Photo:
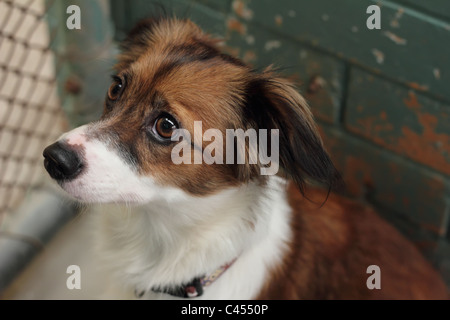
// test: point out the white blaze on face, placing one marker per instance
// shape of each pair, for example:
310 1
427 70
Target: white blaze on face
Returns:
106 177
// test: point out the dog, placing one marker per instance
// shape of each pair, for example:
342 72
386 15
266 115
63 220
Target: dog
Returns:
223 230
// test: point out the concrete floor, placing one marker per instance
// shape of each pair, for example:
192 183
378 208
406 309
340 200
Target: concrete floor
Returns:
46 277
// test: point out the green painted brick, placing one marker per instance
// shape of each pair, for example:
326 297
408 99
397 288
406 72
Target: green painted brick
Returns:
209 19
399 119
302 65
439 8
389 180
410 46
222 6
120 16
127 13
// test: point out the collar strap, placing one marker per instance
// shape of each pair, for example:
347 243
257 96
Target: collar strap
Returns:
194 288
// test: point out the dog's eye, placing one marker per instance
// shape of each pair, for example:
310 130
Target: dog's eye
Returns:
164 126
115 89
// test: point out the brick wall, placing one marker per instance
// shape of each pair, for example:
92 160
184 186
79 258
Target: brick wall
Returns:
381 97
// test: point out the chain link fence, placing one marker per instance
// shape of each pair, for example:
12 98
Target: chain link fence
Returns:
52 78
30 108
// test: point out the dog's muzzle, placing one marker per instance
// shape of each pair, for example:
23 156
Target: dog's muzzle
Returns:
62 161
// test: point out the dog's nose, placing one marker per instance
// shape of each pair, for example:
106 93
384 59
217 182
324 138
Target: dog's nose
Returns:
62 162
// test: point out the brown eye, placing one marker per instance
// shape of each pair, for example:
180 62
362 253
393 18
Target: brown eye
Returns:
164 126
115 89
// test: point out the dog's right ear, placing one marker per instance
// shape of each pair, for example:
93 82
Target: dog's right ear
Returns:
275 104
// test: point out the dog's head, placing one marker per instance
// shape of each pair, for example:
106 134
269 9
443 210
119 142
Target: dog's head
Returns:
169 78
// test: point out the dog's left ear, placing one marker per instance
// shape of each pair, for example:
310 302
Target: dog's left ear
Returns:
274 103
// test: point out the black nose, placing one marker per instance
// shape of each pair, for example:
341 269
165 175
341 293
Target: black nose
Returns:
62 162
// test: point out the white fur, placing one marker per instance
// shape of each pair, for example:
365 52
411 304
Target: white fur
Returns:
169 243
107 177
168 237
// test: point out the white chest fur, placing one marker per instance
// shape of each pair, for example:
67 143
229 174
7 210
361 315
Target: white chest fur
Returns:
171 242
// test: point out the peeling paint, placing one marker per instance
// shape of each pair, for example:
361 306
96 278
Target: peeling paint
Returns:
394 24
395 38
379 56
250 39
235 25
398 15
437 73
424 147
249 56
272 44
411 101
315 84
278 20
242 10
376 126
417 86
232 50
423 143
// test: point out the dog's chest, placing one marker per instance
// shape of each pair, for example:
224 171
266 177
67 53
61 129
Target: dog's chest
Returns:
145 251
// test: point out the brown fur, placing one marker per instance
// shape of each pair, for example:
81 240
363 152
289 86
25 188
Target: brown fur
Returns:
332 247
173 61
172 66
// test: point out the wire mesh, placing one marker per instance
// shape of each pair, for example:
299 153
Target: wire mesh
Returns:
30 109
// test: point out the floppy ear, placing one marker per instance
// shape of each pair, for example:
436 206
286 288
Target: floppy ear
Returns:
275 104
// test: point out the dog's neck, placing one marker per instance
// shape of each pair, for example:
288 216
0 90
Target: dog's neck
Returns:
169 243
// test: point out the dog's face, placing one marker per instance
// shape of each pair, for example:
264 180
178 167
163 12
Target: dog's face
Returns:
168 76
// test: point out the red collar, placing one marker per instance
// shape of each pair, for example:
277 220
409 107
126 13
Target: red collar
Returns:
194 288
